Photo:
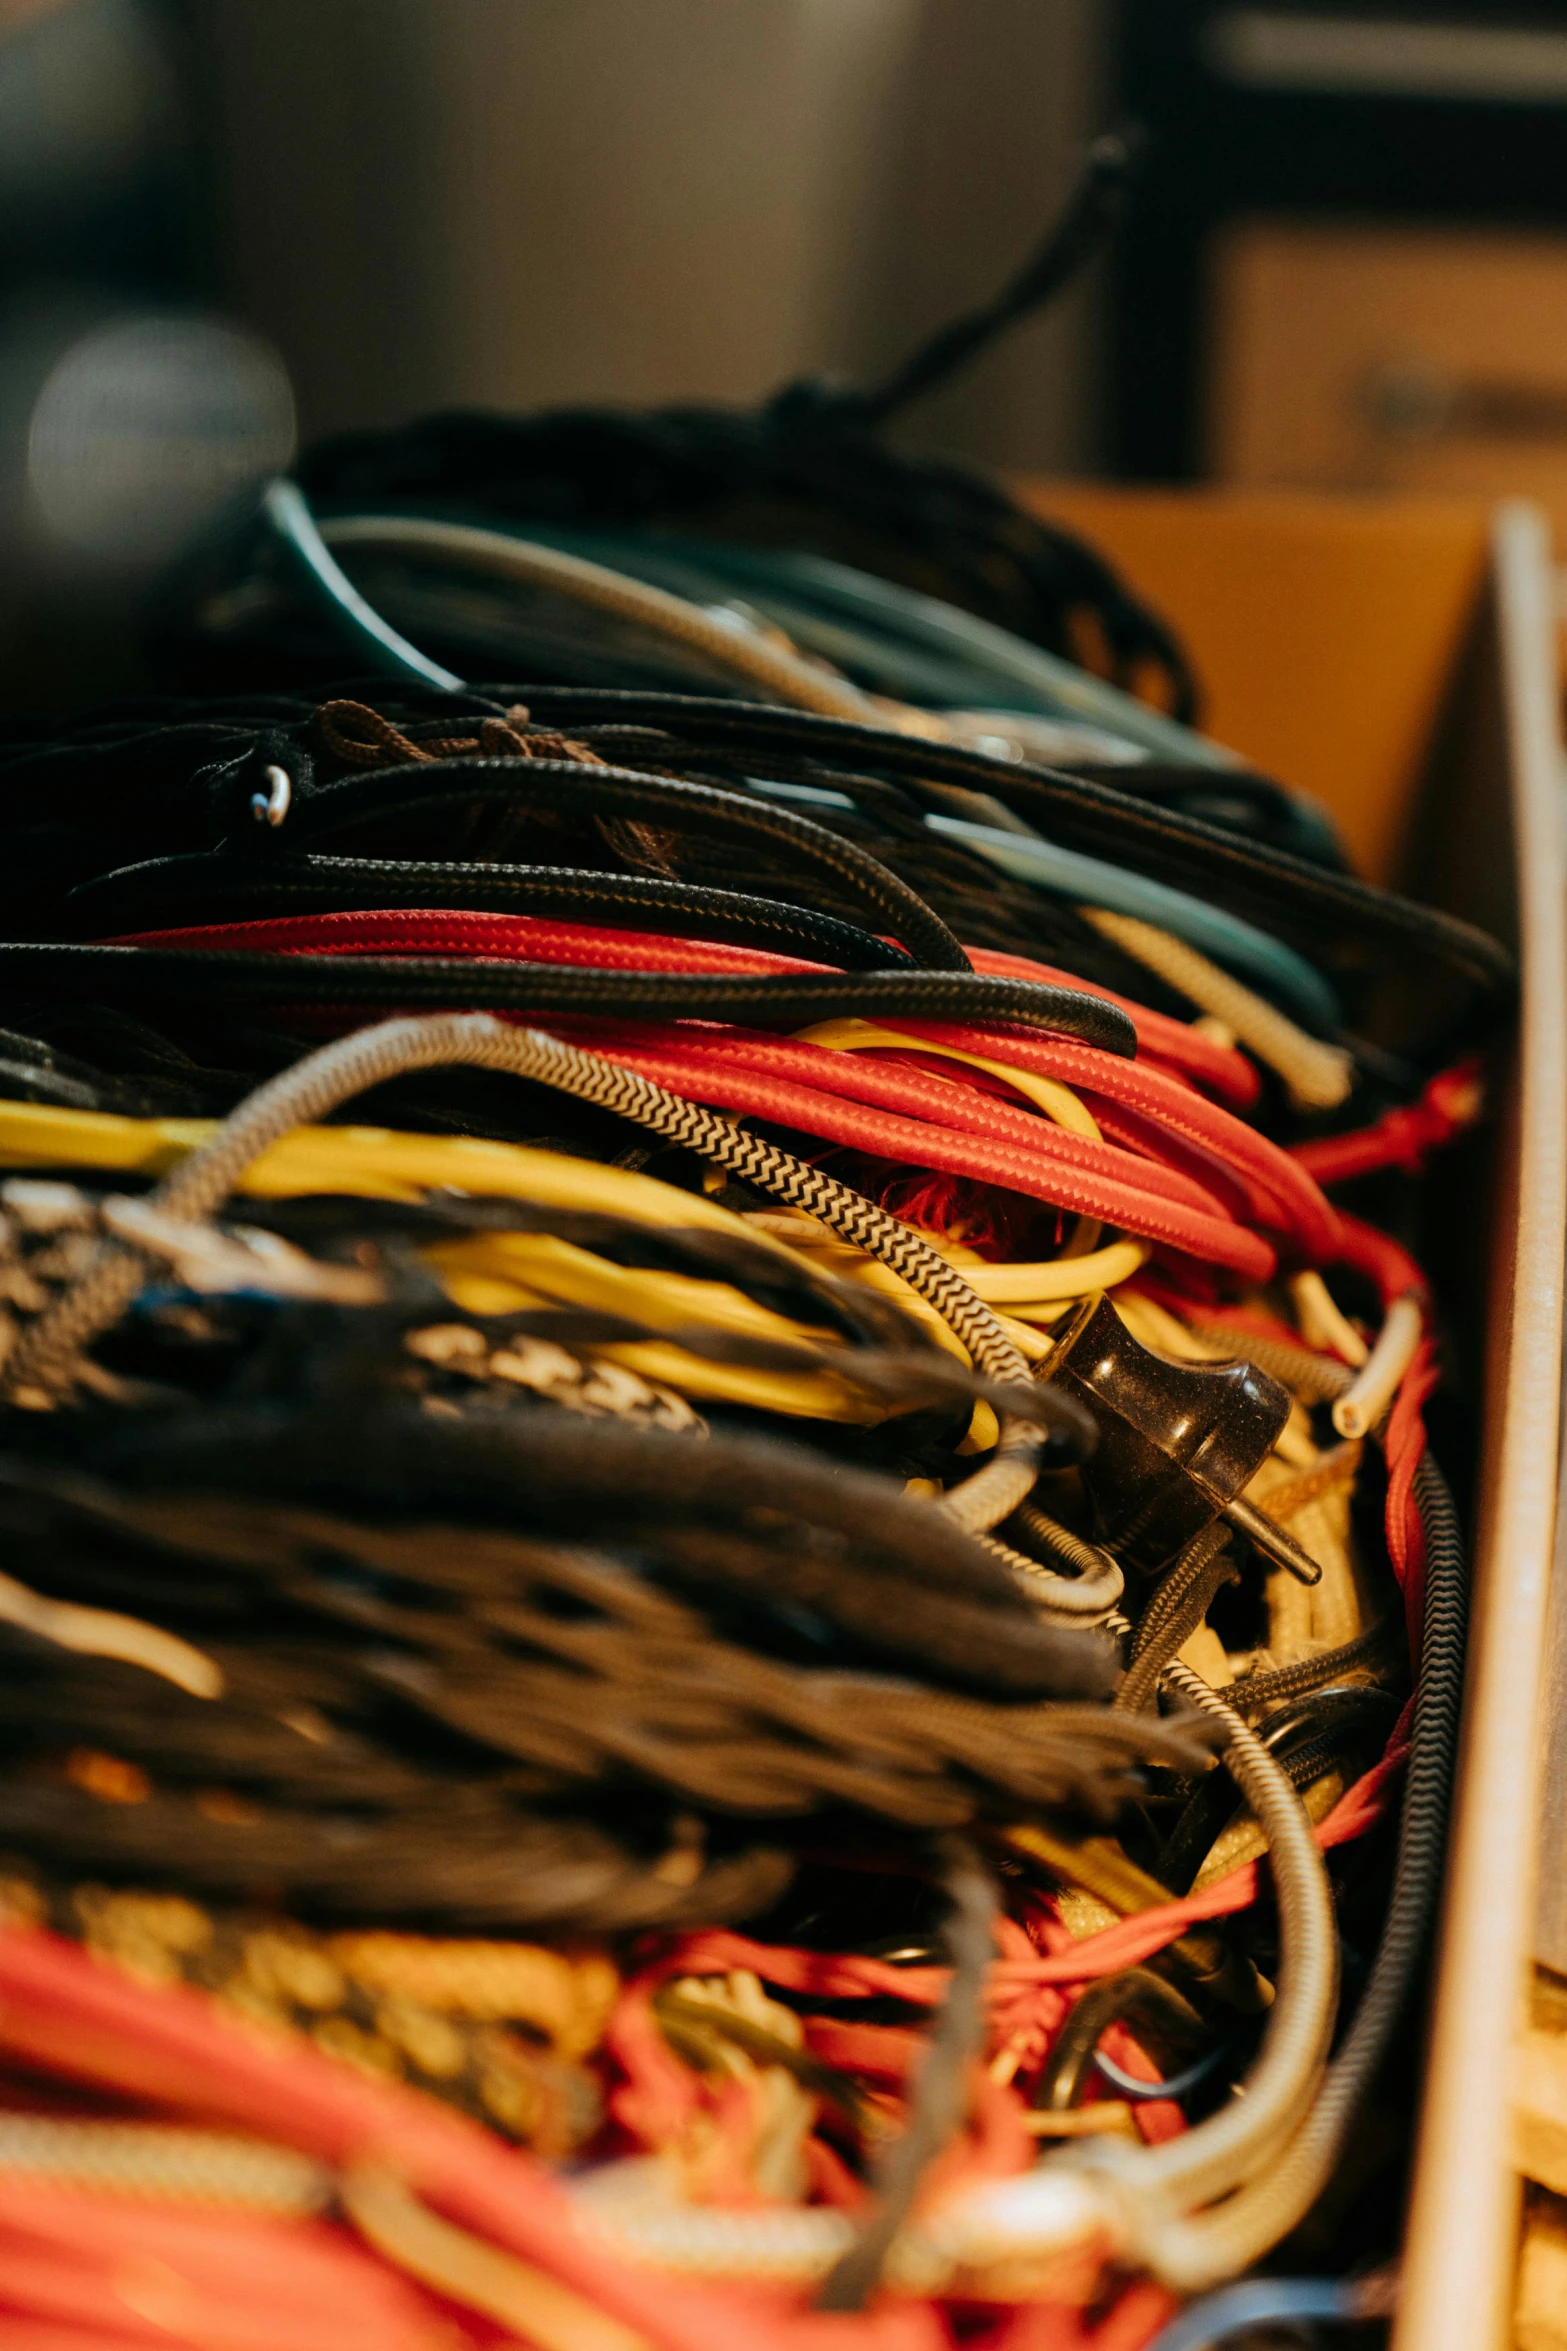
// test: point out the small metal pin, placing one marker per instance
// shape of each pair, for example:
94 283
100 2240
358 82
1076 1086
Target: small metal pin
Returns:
272 805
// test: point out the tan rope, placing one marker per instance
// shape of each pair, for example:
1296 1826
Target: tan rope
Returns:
1318 1076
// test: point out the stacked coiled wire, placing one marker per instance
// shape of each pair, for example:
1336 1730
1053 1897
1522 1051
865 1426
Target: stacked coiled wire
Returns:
543 1263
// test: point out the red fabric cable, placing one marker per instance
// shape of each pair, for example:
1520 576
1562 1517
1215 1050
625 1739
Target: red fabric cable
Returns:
527 938
1032 1170
1224 1069
1013 1979
1406 1445
1380 1258
1404 1137
1301 1209
508 938
1149 1143
225 2281
66 2012
757 1075
941 1091
42 2334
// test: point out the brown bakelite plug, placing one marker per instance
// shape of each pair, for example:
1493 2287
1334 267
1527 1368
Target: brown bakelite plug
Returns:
1177 1443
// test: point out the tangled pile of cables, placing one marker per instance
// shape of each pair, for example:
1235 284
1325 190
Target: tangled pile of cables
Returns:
725 1613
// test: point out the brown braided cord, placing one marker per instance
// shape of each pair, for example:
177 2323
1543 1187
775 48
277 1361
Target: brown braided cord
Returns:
354 735
1177 1609
1317 1378
466 1629
1337 1467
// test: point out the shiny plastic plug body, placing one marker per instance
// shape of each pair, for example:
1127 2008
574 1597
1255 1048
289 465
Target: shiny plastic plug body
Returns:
1178 1443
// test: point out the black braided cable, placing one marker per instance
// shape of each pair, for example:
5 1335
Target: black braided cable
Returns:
449 983
940 2088
572 788
217 886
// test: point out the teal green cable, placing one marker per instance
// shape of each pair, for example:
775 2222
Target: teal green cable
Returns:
1000 668
1238 945
1088 881
290 517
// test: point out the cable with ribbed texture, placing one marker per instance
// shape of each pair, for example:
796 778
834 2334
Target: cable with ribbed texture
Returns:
172 890
44 1355
121 975
571 788
1193 2253
1318 1076
1241 2139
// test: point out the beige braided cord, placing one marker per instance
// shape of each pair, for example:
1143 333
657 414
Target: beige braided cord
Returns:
1318 1076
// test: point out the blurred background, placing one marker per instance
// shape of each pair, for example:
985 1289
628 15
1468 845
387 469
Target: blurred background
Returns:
225 224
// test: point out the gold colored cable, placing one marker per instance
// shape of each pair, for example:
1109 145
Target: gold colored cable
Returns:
536 2307
1333 1470
1318 1076
567 1998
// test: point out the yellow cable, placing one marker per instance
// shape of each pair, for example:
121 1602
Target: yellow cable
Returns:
1322 1325
1051 1281
1058 1102
1048 1095
498 1273
369 1162
515 1273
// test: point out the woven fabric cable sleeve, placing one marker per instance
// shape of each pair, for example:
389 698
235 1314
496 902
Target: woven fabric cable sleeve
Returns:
43 1358
1190 2254
1147 2188
940 2088
1083 2193
1318 1076
499 555
567 786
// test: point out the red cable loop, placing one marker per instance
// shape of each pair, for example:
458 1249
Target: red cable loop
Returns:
887 1135
1222 1068
1301 1209
1380 1258
1403 1137
944 1092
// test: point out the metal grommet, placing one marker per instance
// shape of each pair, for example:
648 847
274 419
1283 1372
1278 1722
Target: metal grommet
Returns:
272 805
